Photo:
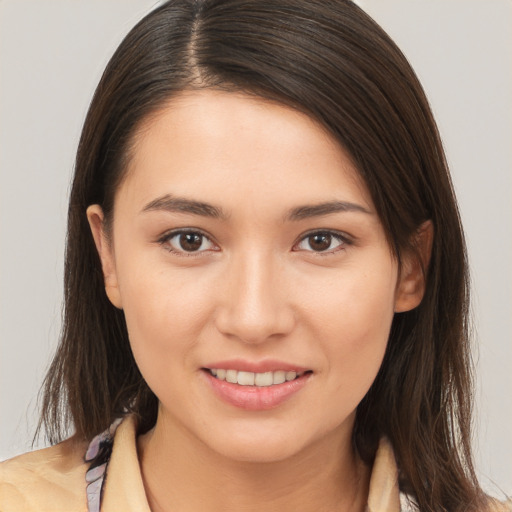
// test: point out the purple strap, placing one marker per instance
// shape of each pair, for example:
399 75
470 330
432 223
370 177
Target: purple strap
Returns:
98 454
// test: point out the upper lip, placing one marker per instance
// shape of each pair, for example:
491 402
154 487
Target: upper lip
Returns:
268 365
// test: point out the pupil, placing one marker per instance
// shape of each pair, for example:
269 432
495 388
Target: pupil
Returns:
190 241
320 242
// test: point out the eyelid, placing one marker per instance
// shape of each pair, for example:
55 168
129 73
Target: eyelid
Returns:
344 238
163 240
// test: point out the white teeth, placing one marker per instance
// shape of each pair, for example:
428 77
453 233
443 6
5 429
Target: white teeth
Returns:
231 376
254 379
291 375
264 379
279 377
245 378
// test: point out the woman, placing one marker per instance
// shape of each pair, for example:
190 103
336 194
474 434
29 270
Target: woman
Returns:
265 278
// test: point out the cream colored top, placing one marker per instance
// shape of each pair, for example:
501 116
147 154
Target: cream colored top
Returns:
53 479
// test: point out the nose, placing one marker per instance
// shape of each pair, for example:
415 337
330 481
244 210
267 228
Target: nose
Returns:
254 305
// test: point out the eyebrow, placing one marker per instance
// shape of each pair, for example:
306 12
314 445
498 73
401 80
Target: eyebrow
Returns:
172 203
327 208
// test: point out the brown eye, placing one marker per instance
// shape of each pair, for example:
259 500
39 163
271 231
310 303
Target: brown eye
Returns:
188 242
322 241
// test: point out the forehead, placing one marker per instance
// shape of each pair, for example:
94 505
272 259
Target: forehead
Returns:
229 146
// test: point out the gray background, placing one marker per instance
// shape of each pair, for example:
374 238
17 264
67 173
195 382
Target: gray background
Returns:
52 54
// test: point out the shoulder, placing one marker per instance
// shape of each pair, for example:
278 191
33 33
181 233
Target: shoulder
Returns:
51 479
408 504
500 506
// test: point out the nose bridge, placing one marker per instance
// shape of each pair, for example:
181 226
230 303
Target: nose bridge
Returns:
255 306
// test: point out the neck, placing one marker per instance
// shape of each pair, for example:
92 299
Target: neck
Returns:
180 473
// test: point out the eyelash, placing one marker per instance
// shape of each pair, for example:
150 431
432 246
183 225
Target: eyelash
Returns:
165 241
342 238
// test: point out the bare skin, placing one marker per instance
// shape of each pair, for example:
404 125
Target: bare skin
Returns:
243 237
341 483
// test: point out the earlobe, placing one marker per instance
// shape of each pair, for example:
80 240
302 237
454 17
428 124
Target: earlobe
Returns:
106 253
413 272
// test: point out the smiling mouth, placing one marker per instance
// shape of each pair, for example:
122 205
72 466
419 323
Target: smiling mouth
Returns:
265 379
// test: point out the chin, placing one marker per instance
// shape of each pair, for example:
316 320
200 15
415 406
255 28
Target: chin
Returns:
257 451
261 443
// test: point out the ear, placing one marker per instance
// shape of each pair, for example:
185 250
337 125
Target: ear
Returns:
412 279
106 253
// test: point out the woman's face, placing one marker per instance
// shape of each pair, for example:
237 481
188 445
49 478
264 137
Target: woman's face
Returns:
245 244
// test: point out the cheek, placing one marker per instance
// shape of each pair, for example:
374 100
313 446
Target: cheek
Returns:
165 311
358 299
352 317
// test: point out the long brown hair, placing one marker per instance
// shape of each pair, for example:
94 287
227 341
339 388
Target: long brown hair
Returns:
330 60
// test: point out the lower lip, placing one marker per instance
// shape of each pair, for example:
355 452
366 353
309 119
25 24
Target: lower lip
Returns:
254 398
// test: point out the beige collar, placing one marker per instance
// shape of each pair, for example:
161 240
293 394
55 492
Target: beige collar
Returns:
124 489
